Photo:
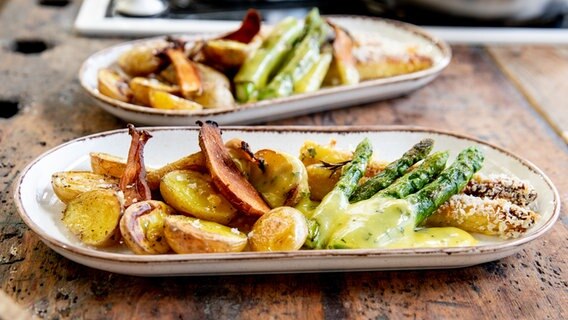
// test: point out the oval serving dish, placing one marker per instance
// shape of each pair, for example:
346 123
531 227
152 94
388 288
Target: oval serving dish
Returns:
41 210
324 99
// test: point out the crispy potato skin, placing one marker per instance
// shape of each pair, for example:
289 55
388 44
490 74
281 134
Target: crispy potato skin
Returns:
141 60
142 227
193 193
189 235
94 216
68 185
281 229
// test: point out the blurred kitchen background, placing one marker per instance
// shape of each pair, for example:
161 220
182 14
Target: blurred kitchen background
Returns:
457 21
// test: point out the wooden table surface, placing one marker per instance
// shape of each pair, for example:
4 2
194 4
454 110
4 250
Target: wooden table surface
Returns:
512 96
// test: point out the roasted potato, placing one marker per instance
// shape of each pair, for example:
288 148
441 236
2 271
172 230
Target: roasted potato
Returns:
94 216
194 161
321 180
226 53
163 100
68 185
107 164
112 85
141 60
280 178
193 193
141 89
216 89
281 229
190 235
142 227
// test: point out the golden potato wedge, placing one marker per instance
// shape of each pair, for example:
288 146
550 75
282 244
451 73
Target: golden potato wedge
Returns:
67 185
226 53
112 85
141 60
94 216
142 227
281 229
194 162
314 153
193 193
190 235
141 89
107 164
166 101
281 179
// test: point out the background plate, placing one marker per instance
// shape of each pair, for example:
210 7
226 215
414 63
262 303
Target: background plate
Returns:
323 99
41 210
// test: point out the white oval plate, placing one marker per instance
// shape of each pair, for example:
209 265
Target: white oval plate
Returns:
41 210
323 99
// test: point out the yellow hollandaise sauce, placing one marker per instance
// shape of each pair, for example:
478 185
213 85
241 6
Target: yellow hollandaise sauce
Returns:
378 223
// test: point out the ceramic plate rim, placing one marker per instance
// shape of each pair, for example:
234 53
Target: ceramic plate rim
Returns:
443 47
92 253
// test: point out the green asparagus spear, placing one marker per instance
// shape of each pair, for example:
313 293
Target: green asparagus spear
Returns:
451 181
393 170
313 79
304 56
417 178
254 73
333 204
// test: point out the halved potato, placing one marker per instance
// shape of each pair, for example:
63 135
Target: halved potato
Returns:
142 227
93 216
167 101
107 164
67 185
190 235
193 193
281 229
321 180
112 85
194 162
281 179
226 53
141 89
141 60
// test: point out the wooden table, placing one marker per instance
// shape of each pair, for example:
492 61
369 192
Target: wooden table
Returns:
514 96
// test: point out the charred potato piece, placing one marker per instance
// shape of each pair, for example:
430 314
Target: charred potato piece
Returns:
141 88
142 227
281 178
281 229
190 235
94 216
141 60
112 85
193 193
167 101
68 185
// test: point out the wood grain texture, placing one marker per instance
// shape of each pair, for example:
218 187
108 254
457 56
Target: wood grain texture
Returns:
540 74
473 96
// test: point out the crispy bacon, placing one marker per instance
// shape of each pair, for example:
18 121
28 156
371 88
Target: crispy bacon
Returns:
133 182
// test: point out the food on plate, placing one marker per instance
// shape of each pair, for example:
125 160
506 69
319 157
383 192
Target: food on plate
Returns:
142 227
191 235
281 229
228 198
93 217
68 185
252 63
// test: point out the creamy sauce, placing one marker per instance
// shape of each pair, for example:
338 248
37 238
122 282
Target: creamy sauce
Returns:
378 223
